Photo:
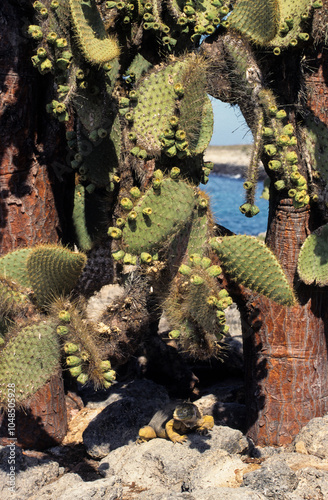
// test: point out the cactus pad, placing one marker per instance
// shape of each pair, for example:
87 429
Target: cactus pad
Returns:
91 34
171 207
53 271
249 262
13 266
28 360
176 91
275 23
313 258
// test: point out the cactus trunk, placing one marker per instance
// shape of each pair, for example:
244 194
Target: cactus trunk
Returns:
286 348
44 422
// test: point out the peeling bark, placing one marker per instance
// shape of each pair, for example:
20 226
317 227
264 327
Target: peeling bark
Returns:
286 352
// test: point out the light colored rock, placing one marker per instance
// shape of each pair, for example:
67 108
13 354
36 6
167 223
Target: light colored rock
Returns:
206 494
313 438
313 484
78 424
72 486
30 474
274 479
200 462
98 303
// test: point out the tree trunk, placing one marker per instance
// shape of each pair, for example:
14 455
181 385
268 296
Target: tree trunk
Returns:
286 355
29 142
44 422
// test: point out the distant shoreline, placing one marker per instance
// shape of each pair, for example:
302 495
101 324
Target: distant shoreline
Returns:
231 160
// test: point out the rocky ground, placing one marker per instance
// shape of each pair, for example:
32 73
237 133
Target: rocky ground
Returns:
100 458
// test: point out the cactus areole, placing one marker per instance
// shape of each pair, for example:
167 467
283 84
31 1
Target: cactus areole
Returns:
106 166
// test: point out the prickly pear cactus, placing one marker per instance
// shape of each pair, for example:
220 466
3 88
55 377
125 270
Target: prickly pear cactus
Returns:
130 86
195 308
313 258
250 262
49 270
28 359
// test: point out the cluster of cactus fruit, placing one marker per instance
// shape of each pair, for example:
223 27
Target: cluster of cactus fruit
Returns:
130 76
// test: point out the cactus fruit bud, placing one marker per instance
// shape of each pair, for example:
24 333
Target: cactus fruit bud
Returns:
270 149
135 192
147 211
175 172
274 164
248 185
174 121
83 378
224 303
120 222
288 129
130 259
179 89
62 330
75 371
195 259
114 232
291 157
267 132
281 114
184 270
157 183
221 317
126 204
109 376
70 348
146 258
132 215
196 280
118 255
203 203
73 361
174 334
283 140
35 32
279 185
64 316
223 293
214 271
105 365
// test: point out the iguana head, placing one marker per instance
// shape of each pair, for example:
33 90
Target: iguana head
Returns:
188 413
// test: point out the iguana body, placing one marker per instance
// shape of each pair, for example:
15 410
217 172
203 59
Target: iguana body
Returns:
186 417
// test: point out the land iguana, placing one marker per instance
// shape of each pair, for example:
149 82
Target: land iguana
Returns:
186 418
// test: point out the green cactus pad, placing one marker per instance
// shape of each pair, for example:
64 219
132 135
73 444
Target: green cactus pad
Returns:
28 360
91 34
312 264
275 23
251 263
53 271
159 106
257 19
13 266
171 206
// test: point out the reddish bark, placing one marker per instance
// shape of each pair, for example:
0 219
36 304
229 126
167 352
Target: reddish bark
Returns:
286 351
28 209
44 422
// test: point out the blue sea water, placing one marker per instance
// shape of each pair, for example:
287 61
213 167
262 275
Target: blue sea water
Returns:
226 195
